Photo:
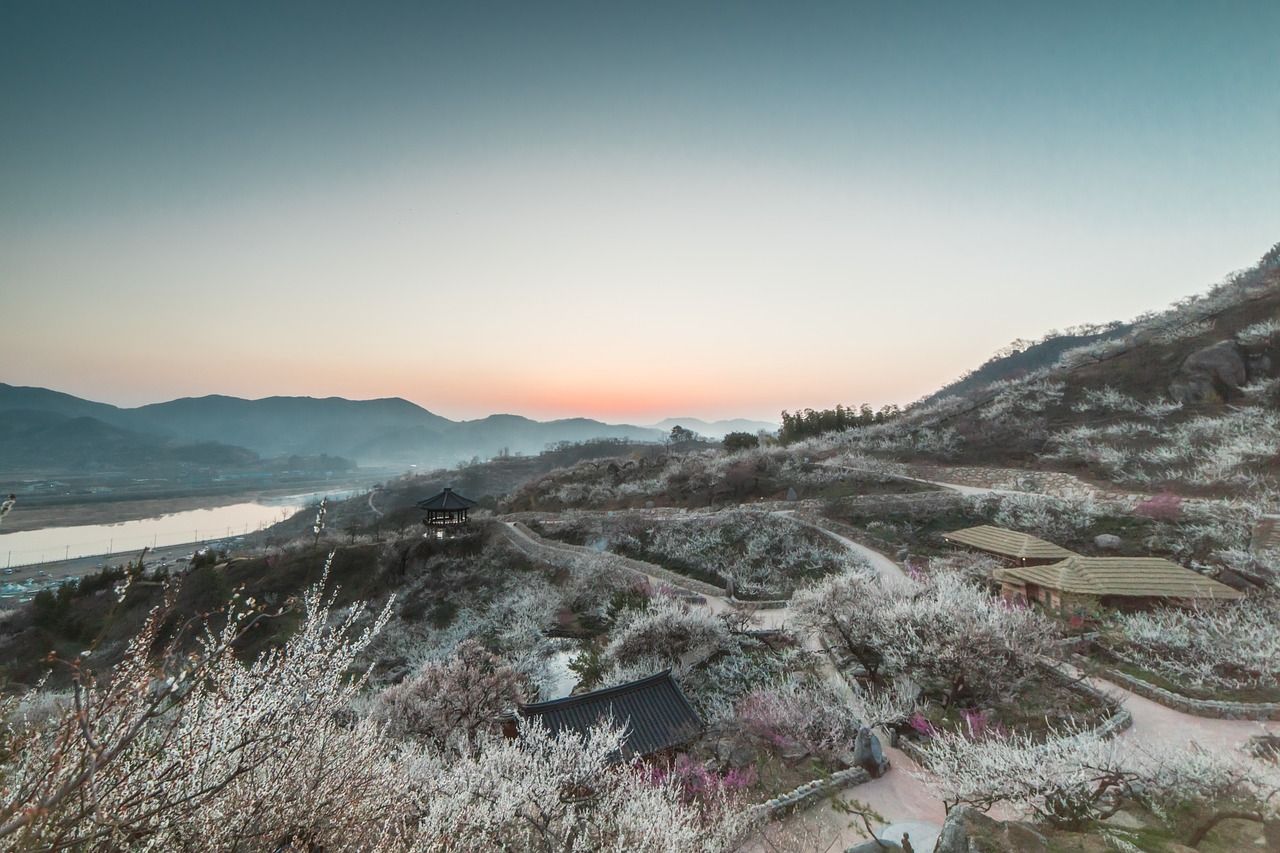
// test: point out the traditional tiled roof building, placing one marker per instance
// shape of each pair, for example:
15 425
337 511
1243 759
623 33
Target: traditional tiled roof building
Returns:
1021 548
1119 582
654 710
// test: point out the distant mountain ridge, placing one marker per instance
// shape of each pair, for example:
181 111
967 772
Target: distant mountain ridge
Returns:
716 429
386 431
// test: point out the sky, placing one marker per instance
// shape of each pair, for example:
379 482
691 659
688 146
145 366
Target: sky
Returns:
616 210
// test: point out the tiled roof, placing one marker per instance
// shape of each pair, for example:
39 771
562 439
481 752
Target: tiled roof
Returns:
448 499
654 710
1008 543
1129 576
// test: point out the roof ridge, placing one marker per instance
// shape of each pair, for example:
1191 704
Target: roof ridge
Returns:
615 690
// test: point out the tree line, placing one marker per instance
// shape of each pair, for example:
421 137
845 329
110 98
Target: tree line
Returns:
810 422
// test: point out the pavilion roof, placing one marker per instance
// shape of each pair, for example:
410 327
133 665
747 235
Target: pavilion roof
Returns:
1008 543
1148 577
654 710
448 499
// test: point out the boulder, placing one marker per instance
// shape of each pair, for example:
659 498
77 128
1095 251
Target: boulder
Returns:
968 830
1107 541
791 495
793 752
875 846
868 755
1209 375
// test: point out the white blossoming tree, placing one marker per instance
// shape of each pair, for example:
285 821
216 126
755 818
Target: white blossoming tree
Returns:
193 749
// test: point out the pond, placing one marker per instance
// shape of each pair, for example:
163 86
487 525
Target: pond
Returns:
560 679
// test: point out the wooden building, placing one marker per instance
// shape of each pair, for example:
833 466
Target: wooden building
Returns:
1021 549
1123 583
446 512
657 716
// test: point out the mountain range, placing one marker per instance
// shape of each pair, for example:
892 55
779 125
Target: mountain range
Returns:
716 429
49 430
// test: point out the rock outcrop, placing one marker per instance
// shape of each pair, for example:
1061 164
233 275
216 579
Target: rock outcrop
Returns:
968 830
1210 375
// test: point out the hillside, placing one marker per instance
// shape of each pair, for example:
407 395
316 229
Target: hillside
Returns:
47 442
1186 398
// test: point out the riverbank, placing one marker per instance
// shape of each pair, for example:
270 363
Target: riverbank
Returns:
36 514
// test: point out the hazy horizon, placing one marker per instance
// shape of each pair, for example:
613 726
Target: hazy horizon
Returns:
626 212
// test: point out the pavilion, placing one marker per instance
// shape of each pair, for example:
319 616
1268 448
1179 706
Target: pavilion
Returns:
446 511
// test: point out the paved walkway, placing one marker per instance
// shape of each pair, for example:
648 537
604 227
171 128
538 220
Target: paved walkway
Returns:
953 487
900 796
890 572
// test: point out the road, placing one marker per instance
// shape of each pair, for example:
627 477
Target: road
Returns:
22 582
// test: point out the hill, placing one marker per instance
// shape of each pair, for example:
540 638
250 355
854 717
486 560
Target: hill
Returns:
283 425
48 441
1187 398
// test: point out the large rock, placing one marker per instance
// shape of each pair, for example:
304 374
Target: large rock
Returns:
868 755
874 846
1107 541
968 830
1210 375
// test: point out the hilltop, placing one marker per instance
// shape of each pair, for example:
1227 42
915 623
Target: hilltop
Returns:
1188 397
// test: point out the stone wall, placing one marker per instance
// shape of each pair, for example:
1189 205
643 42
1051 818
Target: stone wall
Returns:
1220 709
1119 719
810 792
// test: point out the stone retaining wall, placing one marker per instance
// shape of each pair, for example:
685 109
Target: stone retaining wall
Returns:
809 792
1119 720
1219 709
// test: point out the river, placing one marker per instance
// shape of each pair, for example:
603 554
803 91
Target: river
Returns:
27 547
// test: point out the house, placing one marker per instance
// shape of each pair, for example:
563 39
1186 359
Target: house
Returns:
657 716
1124 583
1019 548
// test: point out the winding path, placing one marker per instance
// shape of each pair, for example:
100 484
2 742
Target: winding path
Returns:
900 796
890 572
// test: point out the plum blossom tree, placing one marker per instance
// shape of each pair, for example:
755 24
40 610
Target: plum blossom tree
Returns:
851 609
1076 777
1064 779
959 643
1234 646
195 750
667 630
564 794
800 713
449 703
